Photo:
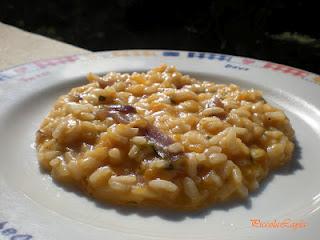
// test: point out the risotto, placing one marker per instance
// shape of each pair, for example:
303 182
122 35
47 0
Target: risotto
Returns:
164 139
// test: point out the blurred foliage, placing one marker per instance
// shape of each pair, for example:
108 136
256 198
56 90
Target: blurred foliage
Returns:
281 31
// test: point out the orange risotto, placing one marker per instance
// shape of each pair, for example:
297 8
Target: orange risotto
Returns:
164 139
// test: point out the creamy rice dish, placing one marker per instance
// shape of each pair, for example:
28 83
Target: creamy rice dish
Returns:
164 139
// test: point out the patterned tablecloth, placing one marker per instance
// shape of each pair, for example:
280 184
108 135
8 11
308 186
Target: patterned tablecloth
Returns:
18 46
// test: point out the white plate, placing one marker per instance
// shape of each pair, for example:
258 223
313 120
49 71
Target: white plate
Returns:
33 207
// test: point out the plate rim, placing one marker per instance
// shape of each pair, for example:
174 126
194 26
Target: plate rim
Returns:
6 73
133 51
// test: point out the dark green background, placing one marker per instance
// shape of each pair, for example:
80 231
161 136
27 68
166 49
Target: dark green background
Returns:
286 32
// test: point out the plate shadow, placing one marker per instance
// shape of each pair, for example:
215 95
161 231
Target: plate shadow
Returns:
172 215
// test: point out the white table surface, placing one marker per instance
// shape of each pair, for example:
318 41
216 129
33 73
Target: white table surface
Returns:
18 46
